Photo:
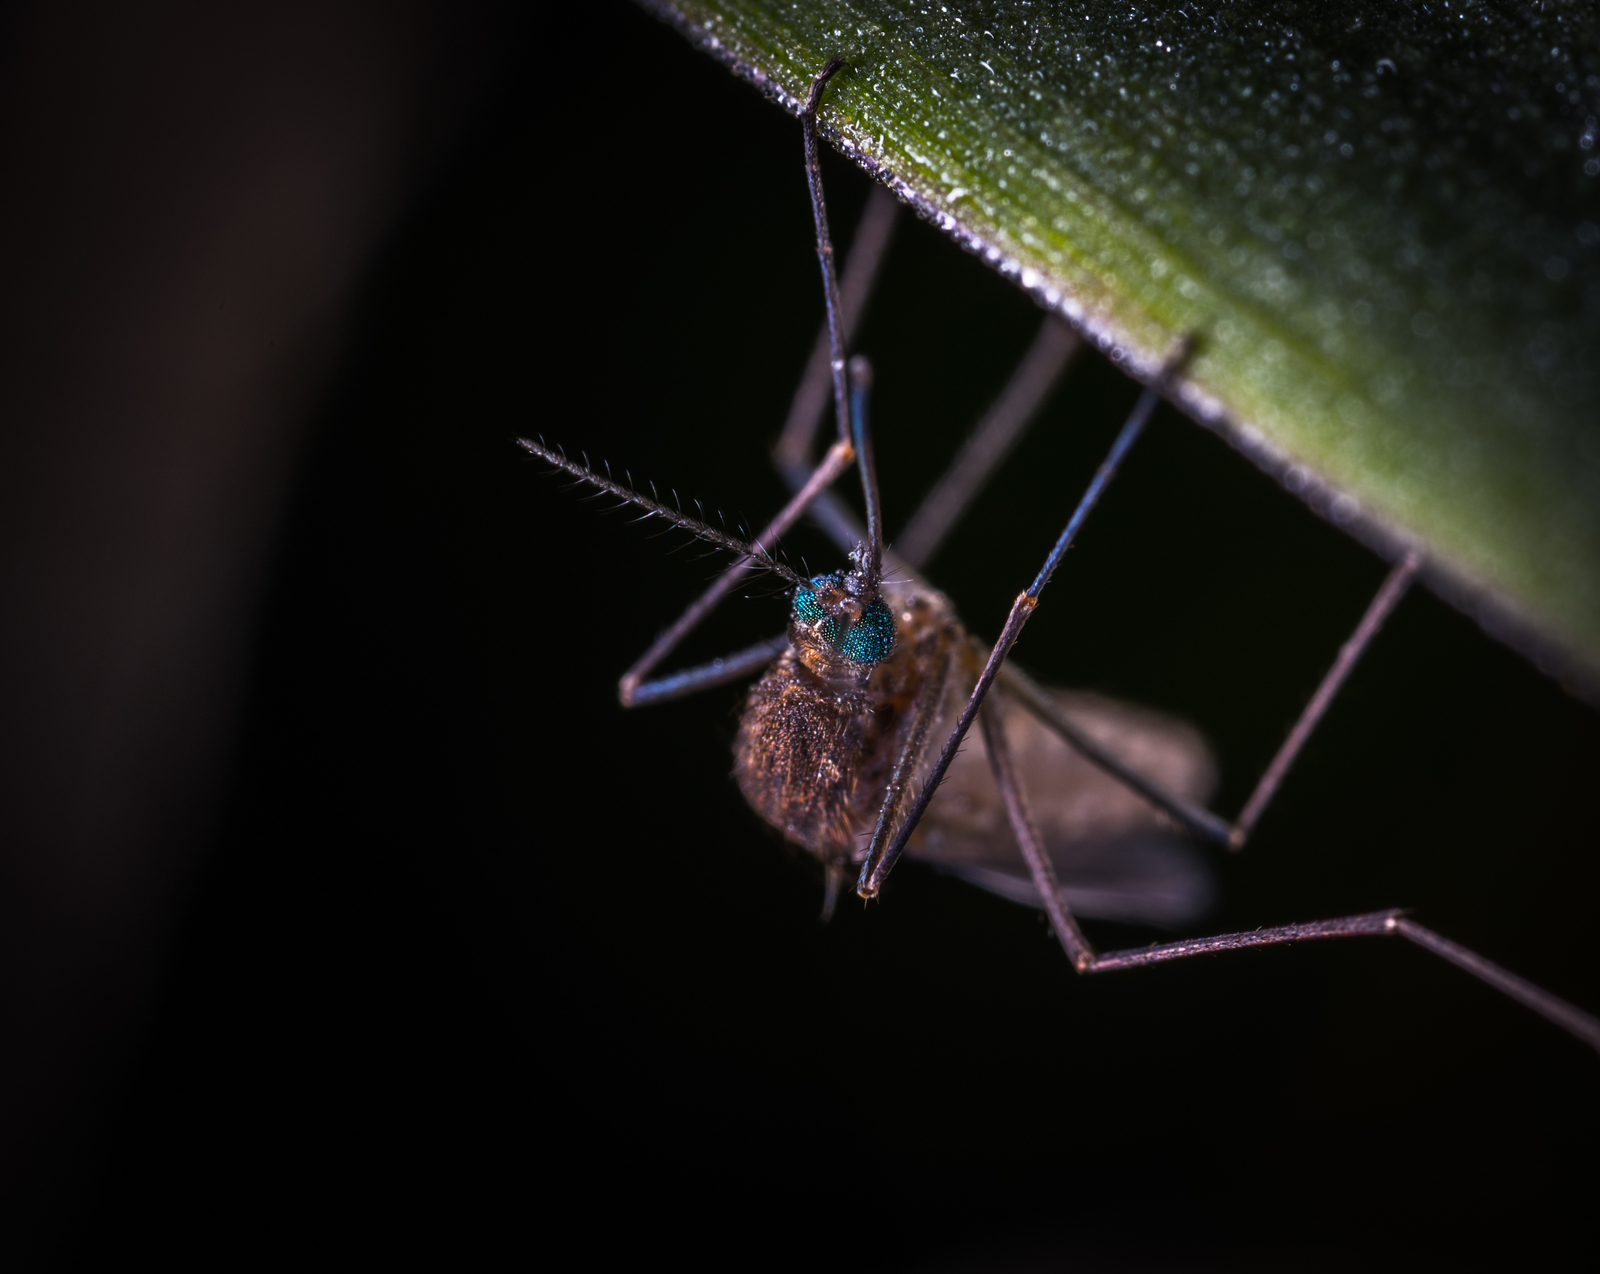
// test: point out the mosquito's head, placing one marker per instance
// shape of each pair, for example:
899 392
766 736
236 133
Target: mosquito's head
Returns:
838 619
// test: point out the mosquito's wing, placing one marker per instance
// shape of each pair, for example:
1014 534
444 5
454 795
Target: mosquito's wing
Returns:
1116 857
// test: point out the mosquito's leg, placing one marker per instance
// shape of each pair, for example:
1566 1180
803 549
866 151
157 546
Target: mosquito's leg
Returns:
942 654
880 863
819 215
828 511
1377 923
792 455
832 883
1028 839
860 392
991 442
679 685
1198 820
750 555
794 447
633 690
939 658
1567 1016
1394 588
845 299
905 768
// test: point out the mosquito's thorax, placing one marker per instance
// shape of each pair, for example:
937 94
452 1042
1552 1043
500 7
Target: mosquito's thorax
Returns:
823 728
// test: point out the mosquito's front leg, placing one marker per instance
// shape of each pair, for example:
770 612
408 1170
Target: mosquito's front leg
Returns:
749 556
679 685
634 691
881 861
868 246
844 302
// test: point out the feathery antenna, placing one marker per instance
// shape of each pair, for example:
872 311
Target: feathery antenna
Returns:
677 517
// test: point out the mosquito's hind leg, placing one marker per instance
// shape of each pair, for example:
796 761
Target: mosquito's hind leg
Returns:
1569 1017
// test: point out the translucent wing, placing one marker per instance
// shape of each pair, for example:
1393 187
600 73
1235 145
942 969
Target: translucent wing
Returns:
1116 857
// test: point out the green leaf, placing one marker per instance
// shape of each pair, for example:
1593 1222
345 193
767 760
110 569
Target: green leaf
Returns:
1380 221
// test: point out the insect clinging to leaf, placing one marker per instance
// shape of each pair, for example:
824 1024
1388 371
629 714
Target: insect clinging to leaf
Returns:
850 743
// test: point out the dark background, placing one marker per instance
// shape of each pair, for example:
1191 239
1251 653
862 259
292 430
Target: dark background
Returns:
473 956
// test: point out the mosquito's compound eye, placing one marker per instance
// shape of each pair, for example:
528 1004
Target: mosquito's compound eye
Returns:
808 609
871 638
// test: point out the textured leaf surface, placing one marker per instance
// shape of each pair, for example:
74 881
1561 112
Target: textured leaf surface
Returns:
1381 222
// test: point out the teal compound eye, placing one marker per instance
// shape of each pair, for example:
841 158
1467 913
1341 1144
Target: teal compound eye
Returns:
871 638
807 607
809 610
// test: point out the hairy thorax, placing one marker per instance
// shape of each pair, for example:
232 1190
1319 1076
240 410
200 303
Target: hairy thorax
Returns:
821 734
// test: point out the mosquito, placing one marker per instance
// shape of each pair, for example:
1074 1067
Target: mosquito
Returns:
850 742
